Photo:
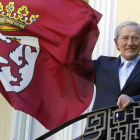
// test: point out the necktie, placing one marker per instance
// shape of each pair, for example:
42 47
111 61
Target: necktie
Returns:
124 73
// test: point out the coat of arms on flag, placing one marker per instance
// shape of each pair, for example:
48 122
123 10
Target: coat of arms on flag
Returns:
17 62
46 69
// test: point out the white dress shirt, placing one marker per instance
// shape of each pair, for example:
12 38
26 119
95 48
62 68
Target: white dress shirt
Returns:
130 68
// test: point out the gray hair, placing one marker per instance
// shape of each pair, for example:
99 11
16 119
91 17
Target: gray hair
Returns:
125 24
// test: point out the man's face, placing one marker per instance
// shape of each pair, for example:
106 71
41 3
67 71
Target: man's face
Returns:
129 42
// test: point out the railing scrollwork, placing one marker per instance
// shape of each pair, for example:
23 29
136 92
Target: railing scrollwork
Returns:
112 123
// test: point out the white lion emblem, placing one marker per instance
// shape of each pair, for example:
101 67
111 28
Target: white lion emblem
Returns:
17 62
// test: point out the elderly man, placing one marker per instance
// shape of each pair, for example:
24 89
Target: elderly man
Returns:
117 80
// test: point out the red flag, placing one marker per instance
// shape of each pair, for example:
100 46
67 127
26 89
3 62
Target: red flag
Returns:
45 58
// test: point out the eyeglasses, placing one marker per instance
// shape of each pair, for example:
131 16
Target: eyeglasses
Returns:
133 39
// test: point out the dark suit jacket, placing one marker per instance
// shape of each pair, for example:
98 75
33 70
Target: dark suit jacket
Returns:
107 82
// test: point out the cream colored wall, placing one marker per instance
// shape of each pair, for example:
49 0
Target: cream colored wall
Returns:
128 10
5 118
86 1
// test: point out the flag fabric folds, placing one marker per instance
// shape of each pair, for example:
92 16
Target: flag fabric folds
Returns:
46 69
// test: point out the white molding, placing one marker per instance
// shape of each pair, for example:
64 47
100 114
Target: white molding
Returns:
20 128
12 125
105 44
28 127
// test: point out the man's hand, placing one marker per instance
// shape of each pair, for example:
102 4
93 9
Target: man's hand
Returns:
124 101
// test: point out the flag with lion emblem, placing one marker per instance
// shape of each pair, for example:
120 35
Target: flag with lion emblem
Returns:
45 59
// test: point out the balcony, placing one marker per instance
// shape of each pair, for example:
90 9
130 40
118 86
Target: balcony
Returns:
112 123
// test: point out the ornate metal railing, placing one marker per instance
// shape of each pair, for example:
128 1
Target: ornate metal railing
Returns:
112 123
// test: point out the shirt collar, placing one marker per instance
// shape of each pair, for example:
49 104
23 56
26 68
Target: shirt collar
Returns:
134 61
